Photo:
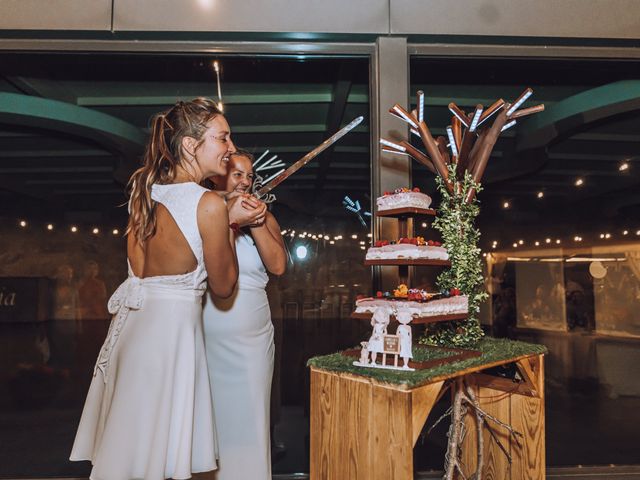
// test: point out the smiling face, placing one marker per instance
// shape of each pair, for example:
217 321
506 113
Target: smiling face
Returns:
239 177
214 148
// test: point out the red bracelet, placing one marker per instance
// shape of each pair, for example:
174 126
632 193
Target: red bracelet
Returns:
235 227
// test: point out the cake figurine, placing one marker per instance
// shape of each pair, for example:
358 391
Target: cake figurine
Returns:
379 322
403 198
403 331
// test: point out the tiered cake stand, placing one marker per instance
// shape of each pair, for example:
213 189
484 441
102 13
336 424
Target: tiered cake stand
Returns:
403 215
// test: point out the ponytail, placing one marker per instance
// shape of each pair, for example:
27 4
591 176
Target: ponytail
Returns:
162 158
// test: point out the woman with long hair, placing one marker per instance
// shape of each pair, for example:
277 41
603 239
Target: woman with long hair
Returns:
239 339
148 413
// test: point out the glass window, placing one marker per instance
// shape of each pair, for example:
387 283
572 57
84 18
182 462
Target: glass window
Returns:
560 230
72 127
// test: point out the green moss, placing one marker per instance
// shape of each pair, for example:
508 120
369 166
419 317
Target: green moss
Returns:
493 350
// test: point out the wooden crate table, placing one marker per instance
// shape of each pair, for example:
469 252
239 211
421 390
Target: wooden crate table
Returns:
365 422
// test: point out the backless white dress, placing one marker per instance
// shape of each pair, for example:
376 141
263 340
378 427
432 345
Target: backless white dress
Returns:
240 349
148 413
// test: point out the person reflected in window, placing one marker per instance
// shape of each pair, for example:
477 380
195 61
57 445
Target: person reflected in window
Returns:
239 338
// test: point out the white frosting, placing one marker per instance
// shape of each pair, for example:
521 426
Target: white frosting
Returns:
407 250
403 200
443 306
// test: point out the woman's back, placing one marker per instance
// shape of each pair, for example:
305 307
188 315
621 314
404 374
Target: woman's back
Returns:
175 249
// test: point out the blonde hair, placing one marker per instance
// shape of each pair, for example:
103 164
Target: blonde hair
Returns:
162 157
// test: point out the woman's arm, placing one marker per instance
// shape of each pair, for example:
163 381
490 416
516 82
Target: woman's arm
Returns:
270 245
218 245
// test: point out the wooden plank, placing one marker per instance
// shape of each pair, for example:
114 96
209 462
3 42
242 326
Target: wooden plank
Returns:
497 404
525 368
422 401
527 417
504 384
392 448
353 452
323 412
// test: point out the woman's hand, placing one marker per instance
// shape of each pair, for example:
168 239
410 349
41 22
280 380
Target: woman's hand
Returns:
245 209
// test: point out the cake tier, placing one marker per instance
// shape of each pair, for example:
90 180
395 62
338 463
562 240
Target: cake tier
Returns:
444 306
407 251
403 200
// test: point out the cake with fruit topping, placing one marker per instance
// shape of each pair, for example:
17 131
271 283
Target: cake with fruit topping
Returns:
407 248
419 302
403 198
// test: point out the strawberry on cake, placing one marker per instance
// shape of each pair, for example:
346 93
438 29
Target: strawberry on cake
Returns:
403 198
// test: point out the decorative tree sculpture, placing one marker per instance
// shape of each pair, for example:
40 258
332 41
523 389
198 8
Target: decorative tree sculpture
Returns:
459 170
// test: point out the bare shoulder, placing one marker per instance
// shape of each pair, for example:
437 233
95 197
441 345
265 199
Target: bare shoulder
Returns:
211 203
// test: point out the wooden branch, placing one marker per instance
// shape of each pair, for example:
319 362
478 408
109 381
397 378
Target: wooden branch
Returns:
444 151
432 150
465 153
497 105
526 111
460 115
484 151
419 156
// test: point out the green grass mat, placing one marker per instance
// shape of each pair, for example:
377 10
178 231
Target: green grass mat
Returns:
493 350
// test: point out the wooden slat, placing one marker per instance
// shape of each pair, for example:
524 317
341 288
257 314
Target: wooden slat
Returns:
392 448
527 417
354 422
422 401
504 384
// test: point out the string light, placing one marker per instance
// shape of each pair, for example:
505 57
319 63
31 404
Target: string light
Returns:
540 194
623 166
558 241
49 226
547 240
506 205
626 232
579 182
424 224
74 229
326 237
95 231
332 242
23 224
354 236
515 245
537 244
115 231
521 242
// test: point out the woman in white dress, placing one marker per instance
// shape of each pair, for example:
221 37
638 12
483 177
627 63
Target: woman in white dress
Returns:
239 341
148 413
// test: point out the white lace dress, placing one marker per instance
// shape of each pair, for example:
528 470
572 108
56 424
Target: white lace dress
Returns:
240 349
148 413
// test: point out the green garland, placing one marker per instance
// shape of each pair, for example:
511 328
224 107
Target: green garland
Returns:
455 222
